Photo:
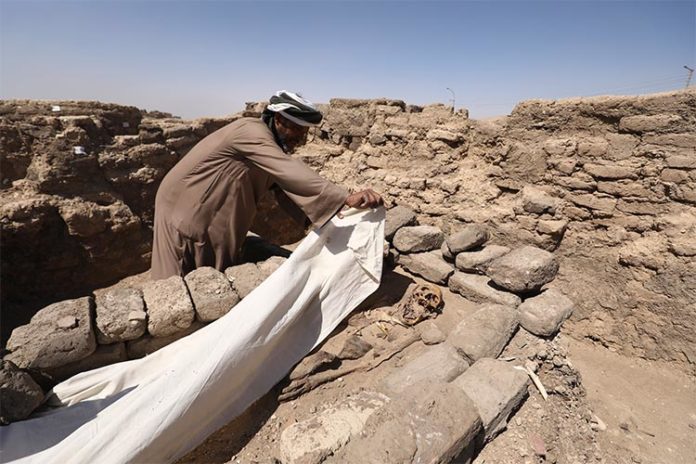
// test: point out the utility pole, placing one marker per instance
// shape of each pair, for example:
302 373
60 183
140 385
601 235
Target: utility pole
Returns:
688 79
452 98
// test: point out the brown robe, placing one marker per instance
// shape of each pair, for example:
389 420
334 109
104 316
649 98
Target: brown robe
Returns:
207 201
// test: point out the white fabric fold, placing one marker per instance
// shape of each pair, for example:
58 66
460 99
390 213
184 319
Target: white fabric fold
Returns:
158 408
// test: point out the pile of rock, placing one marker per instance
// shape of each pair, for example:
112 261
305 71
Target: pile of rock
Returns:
454 396
77 335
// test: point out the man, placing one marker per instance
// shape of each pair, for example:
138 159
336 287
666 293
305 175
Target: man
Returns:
206 203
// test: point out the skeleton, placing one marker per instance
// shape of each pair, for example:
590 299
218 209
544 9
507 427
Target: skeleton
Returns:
423 302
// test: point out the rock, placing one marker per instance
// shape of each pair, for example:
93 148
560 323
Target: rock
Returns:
602 171
446 252
439 363
412 239
311 440
470 237
211 293
430 333
552 228
169 306
648 123
429 423
603 204
681 161
244 278
523 270
396 218
120 315
19 393
428 265
537 201
485 333
444 135
477 261
102 356
269 266
497 389
543 315
147 345
479 289
43 344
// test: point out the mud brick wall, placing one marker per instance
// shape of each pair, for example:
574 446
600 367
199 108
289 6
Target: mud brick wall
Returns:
609 183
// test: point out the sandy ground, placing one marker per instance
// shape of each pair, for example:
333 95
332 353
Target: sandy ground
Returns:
649 408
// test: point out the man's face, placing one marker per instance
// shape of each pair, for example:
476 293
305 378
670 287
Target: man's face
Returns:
291 134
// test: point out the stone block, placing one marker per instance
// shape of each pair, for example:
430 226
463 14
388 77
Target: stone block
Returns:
553 228
211 293
476 261
429 423
446 252
120 315
524 270
440 363
428 265
674 175
543 315
244 278
681 161
430 333
625 189
396 218
169 306
478 289
269 266
412 239
147 345
537 201
19 393
469 237
485 333
57 335
497 389
610 172
648 123
312 440
444 135
104 355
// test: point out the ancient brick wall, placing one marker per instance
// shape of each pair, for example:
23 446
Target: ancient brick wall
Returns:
609 183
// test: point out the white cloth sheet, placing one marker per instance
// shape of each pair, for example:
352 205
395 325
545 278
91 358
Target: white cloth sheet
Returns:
158 408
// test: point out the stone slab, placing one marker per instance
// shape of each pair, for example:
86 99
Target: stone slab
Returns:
413 239
430 422
497 389
429 265
440 363
48 341
396 218
211 293
469 237
120 315
523 270
543 314
169 306
19 393
537 201
478 288
485 333
244 278
476 261
311 440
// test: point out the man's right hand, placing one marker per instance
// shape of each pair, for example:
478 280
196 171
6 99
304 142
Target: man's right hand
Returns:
365 199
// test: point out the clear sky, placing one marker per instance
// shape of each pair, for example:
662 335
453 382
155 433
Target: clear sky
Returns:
206 58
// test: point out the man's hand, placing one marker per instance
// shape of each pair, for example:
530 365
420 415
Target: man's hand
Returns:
365 199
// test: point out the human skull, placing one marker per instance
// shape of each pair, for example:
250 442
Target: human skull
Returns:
422 303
